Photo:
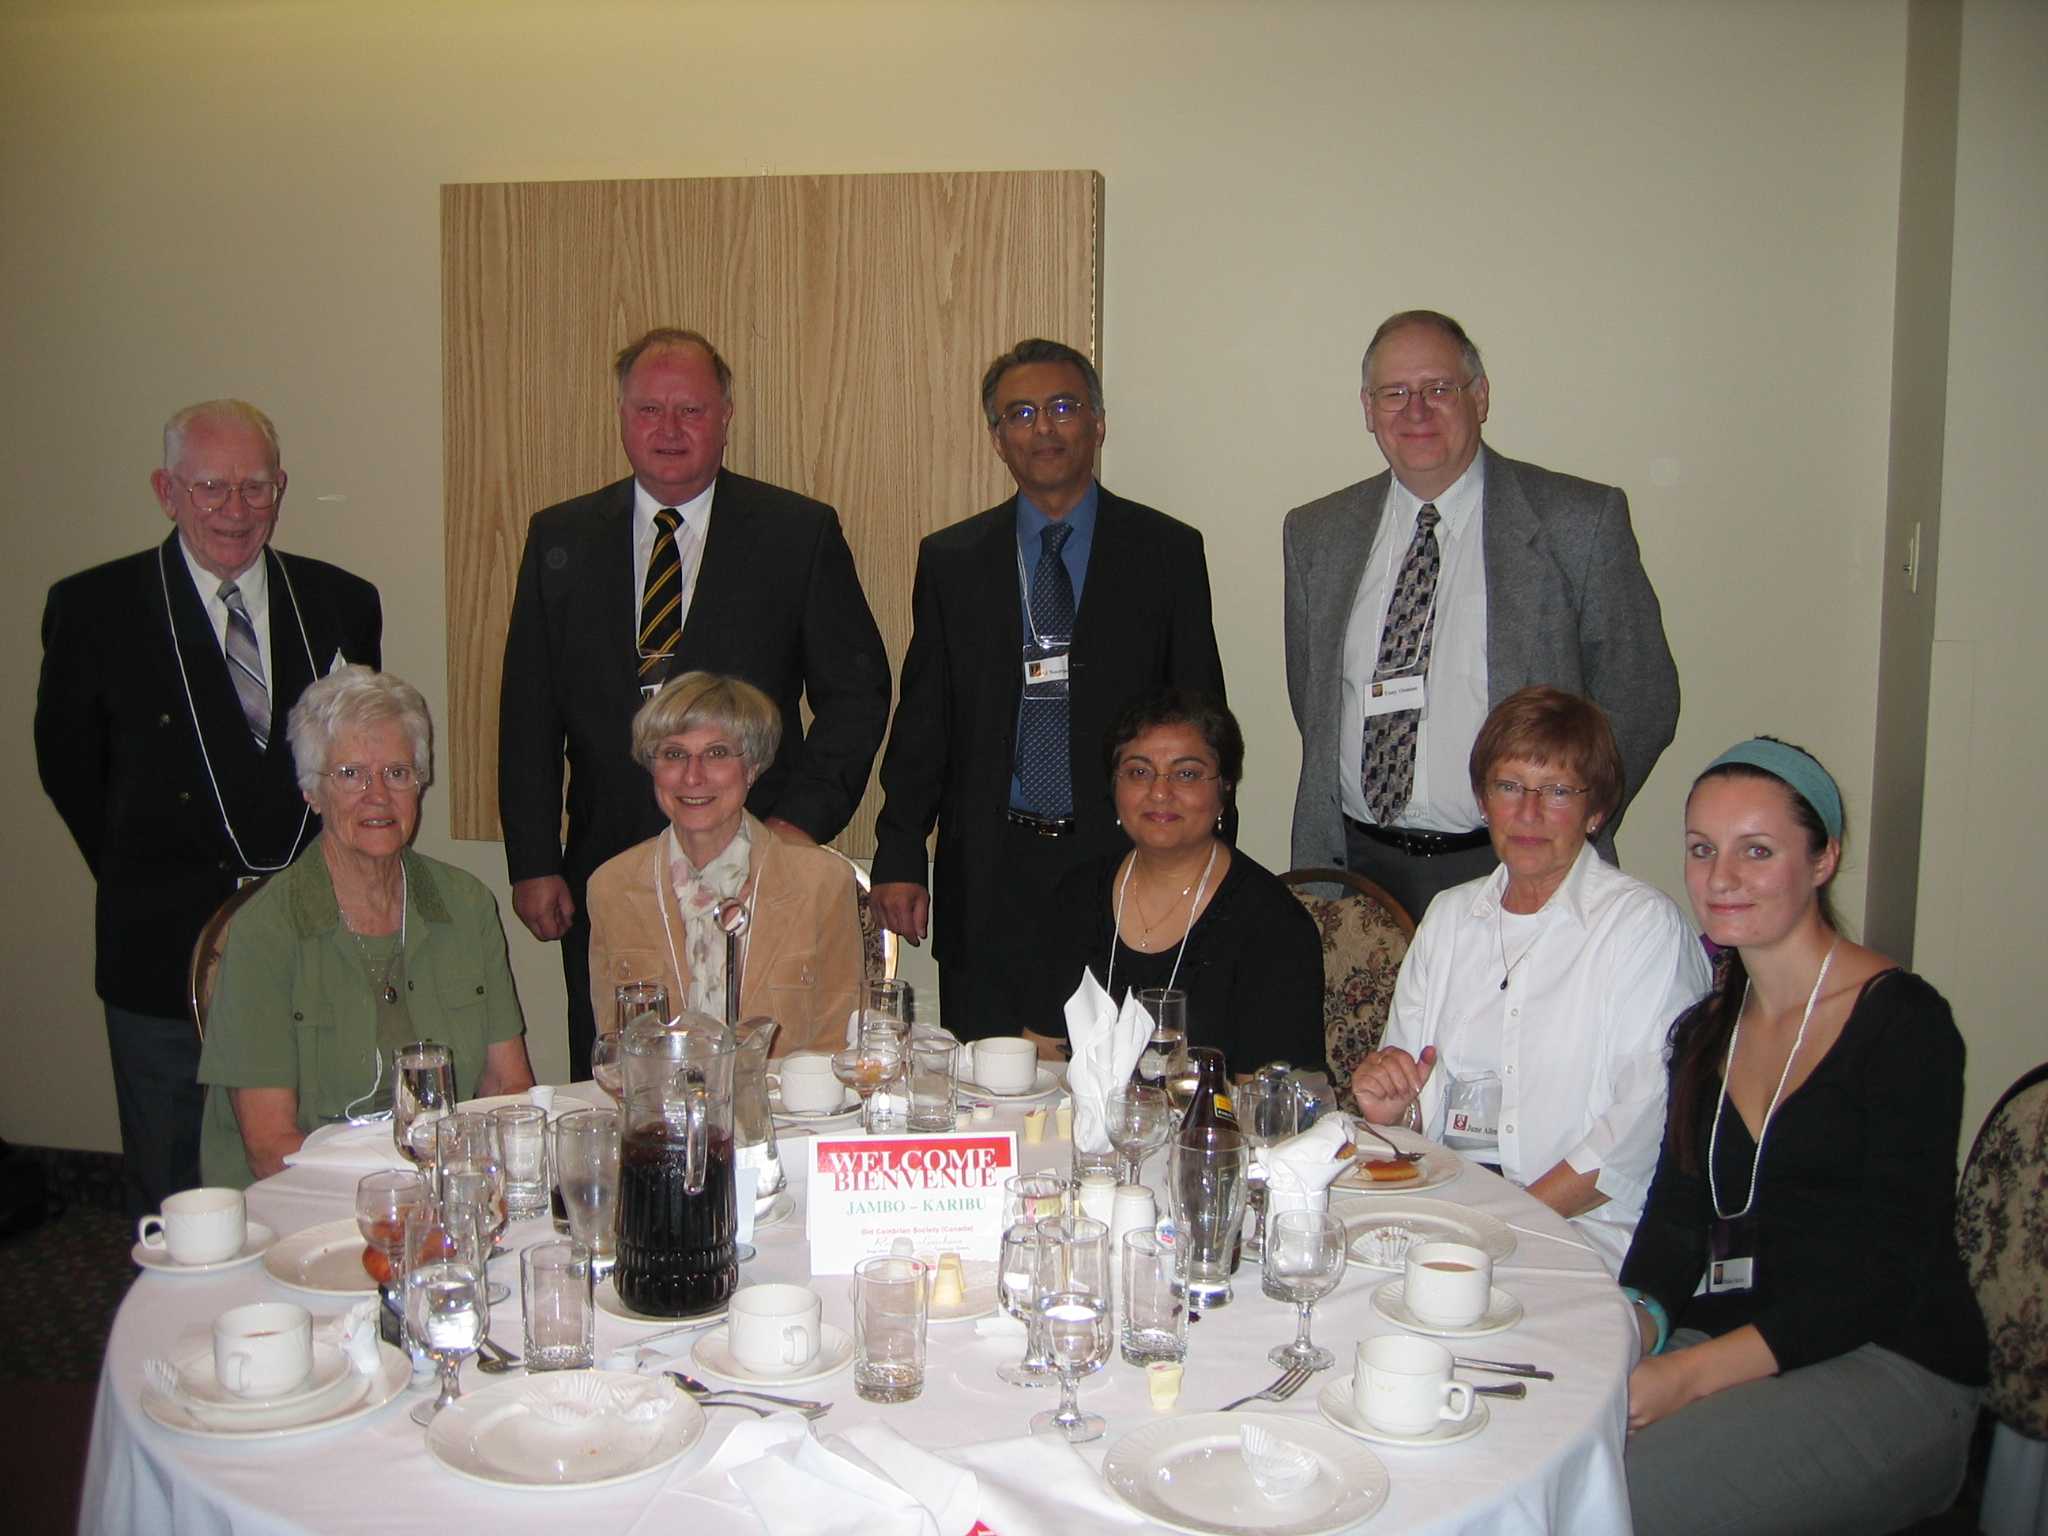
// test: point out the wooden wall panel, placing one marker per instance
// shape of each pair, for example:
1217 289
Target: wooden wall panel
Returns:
857 313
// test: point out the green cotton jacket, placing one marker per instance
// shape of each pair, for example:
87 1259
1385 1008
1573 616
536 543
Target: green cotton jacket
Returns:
292 1006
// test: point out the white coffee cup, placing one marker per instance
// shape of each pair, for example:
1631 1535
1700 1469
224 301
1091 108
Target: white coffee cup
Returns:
1448 1284
1403 1386
1006 1064
808 1086
774 1329
198 1226
264 1349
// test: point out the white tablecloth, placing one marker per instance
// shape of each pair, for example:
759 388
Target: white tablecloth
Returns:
1549 1463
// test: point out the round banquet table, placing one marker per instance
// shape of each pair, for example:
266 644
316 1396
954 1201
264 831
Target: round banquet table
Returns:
1551 1462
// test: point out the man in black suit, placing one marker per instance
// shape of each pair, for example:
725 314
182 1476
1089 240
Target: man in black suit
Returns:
641 581
1035 623
160 736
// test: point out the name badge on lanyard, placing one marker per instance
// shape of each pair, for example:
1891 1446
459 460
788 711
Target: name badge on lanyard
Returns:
1391 695
1731 1257
1045 669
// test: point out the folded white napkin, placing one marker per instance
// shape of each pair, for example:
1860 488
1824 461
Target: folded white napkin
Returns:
1299 1170
1107 1043
354 1333
365 1148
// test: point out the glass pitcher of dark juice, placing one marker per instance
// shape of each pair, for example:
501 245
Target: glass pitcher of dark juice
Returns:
676 1216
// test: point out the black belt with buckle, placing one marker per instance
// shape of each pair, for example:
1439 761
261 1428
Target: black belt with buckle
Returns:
1421 845
1044 826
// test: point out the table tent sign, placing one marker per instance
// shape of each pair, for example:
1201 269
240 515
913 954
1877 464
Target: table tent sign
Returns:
943 1192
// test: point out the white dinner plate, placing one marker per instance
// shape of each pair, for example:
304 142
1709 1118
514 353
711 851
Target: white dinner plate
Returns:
326 1260
494 1435
1502 1313
713 1351
256 1239
563 1103
977 1294
1337 1406
199 1384
1432 1221
1190 1474
1047 1081
1438 1167
608 1302
362 1395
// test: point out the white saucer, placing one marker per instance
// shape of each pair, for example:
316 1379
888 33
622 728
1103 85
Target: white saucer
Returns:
199 1385
713 1352
780 1209
326 1260
849 1108
1337 1406
1502 1313
1047 1081
608 1303
359 1396
257 1238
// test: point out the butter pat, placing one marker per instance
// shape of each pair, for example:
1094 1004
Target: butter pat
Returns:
1162 1380
1066 1120
984 1111
949 1288
1034 1125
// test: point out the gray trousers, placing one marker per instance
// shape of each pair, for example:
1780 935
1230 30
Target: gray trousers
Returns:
1412 880
1864 1443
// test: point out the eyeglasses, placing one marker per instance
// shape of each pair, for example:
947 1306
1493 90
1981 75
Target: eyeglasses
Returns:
1552 797
212 495
1392 399
1141 775
717 756
1060 408
354 778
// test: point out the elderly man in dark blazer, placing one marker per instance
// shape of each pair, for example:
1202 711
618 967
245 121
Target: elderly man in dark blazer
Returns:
683 566
160 736
1035 623
1419 599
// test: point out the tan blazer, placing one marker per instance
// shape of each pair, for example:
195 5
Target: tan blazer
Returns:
803 965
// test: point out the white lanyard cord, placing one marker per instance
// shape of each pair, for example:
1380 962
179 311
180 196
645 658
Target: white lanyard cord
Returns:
1714 1136
664 888
205 756
1117 928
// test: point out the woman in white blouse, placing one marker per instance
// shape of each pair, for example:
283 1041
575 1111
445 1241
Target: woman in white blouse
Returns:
1529 1020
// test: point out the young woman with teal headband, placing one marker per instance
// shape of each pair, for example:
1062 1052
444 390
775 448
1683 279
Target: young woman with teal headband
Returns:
1811 1348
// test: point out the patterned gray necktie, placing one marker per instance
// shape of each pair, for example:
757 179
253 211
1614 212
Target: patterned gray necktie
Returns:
245 665
1387 765
1044 767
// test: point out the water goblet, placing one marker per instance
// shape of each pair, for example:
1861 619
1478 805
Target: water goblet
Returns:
422 1092
1305 1253
473 1190
445 1310
1077 1330
383 1201
607 1065
864 1068
1139 1119
1017 1290
1034 1196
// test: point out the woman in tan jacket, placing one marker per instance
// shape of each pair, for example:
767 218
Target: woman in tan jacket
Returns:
654 909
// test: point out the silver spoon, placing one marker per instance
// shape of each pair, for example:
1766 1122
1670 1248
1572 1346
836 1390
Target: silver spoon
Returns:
696 1388
1392 1150
495 1360
1515 1389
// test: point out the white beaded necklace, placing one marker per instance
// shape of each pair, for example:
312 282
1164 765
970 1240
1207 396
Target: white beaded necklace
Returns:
1714 1136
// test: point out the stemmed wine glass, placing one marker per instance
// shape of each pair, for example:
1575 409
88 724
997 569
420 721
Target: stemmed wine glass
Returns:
445 1309
467 1145
606 1066
1140 1118
866 1067
422 1092
1074 1315
1028 1198
1305 1253
383 1200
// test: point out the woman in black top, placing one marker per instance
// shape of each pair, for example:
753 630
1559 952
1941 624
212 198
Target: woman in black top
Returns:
1811 1346
1185 909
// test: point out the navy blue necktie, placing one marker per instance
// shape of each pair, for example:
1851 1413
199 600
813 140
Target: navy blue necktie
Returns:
1044 767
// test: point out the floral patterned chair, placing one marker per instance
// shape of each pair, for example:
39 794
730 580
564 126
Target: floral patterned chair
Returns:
2002 1228
877 944
1365 937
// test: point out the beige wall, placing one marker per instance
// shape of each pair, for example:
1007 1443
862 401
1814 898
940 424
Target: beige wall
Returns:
1985 844
1673 227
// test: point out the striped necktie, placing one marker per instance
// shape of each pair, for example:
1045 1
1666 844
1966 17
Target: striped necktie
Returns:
245 665
1387 764
661 602
1045 767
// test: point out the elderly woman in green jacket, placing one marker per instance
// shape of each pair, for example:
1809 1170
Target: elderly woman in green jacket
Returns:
359 946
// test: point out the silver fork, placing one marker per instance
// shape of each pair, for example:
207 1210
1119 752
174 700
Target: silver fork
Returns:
1291 1381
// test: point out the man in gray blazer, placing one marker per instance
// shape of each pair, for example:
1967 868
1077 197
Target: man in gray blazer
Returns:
1419 599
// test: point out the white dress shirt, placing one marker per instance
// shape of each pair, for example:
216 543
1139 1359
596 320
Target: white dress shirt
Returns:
690 534
1579 1032
254 584
1454 703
